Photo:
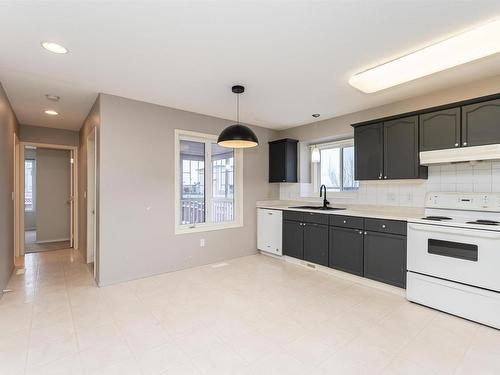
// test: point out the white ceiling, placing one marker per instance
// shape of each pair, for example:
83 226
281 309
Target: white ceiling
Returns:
295 58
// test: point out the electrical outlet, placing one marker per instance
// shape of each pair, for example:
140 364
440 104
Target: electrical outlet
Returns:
391 197
202 242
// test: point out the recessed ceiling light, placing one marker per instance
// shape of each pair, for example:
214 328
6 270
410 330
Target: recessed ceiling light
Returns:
52 98
315 115
471 45
51 112
54 47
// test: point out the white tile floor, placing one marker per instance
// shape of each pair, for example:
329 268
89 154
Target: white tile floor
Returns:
255 316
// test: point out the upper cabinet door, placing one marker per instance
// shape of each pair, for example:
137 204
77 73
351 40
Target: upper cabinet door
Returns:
369 152
401 148
440 130
283 160
481 123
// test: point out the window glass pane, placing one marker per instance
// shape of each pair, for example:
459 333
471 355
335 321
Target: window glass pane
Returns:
222 184
330 168
192 180
348 169
29 184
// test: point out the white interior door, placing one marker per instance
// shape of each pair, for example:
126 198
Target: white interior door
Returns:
91 197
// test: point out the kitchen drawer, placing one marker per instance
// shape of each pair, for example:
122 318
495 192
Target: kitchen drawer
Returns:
317 218
346 221
293 216
386 226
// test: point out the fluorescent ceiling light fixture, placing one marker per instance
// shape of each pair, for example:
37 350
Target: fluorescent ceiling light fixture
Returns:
51 112
468 46
54 47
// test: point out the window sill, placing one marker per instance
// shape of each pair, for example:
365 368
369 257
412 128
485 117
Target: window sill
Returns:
206 228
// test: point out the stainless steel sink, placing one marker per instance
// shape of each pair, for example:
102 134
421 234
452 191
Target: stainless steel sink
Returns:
318 208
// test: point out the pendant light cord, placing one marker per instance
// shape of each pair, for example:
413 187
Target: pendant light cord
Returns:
238 108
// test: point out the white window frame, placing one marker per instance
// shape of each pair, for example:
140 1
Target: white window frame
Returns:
315 167
208 139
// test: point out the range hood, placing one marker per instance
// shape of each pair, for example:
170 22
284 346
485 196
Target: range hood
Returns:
461 154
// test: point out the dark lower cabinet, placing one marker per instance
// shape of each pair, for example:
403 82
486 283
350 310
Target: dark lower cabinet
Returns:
385 258
373 248
346 250
316 243
293 239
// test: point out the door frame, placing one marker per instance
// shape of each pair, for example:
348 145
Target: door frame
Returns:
91 187
15 196
73 187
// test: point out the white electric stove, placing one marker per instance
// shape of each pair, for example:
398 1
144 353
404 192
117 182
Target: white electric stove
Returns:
453 258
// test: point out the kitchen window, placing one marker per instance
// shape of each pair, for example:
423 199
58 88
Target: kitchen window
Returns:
335 169
208 183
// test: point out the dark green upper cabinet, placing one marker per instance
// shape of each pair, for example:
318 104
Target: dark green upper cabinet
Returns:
283 160
401 149
369 152
440 130
481 123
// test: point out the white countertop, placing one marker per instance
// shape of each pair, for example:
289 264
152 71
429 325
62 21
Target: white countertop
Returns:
370 211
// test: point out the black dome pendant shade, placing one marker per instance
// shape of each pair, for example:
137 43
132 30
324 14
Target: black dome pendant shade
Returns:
238 136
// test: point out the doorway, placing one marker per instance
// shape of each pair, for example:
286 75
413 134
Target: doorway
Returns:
47 198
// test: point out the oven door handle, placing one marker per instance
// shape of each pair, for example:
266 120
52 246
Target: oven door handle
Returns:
452 230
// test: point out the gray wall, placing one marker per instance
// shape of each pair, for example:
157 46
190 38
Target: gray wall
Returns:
53 173
8 127
39 134
137 192
92 121
340 127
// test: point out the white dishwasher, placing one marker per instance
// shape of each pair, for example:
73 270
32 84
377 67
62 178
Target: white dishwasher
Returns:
269 230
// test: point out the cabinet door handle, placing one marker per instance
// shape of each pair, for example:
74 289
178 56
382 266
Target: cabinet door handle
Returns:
385 177
360 232
456 144
380 176
464 144
383 226
345 221
366 233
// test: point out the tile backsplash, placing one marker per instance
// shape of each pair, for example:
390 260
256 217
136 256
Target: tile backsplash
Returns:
481 177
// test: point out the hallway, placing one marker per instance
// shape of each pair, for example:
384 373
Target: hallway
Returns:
31 246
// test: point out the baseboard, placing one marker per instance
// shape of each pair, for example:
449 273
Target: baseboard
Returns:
344 275
55 240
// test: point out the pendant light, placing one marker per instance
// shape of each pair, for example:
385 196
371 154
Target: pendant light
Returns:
237 135
315 155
